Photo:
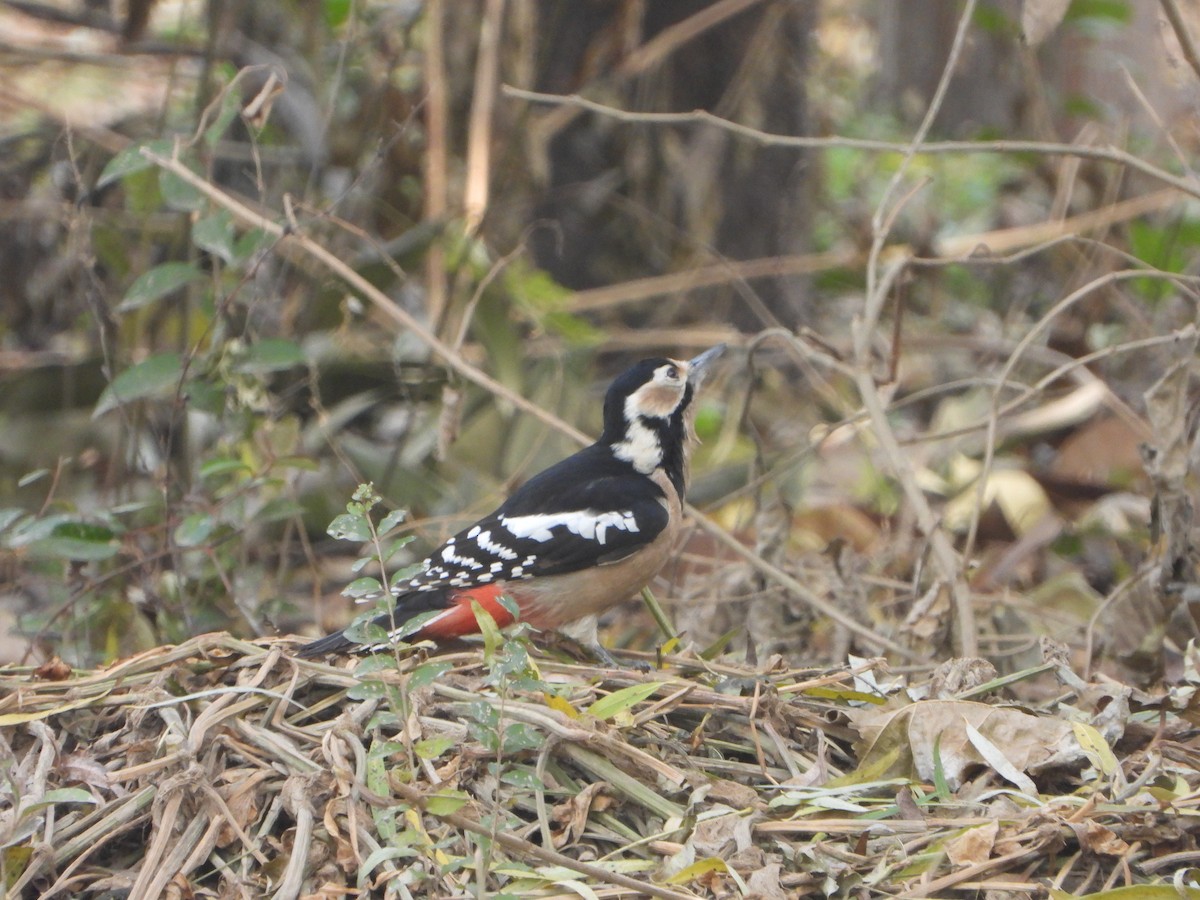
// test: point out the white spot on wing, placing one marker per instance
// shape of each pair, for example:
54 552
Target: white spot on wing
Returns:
450 556
487 545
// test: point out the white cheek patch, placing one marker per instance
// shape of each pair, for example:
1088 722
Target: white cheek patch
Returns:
640 448
586 523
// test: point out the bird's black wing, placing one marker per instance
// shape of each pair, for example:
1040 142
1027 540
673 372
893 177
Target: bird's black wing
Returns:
588 510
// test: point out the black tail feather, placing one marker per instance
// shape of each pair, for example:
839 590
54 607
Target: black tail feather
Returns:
409 604
331 643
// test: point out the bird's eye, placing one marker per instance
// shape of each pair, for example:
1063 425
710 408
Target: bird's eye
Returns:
672 373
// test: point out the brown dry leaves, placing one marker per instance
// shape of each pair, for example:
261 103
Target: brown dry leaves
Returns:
263 777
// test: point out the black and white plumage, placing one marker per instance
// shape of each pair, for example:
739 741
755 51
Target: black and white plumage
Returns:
581 536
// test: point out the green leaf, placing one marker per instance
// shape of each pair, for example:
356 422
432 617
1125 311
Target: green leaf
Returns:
270 355
432 748
445 802
337 12
194 530
152 377
518 736
83 541
378 662
427 673
619 701
222 466
392 519
941 786
231 105
278 510
68 795
206 395
216 234
524 778
130 160
363 630
488 628
252 243
8 515
367 690
362 587
348 527
156 283
179 194
395 547
510 605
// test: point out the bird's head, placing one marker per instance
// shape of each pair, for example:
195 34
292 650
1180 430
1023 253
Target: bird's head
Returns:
648 410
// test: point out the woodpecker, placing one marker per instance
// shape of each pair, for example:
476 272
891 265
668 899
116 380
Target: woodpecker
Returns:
584 535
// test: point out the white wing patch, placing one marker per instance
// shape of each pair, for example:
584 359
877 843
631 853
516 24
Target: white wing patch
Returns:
586 523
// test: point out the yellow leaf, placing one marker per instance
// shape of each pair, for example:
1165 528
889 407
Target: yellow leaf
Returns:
22 718
1096 747
562 704
696 869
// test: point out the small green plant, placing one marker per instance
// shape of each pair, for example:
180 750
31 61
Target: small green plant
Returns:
496 716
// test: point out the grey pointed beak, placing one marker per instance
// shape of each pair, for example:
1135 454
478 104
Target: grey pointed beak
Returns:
698 366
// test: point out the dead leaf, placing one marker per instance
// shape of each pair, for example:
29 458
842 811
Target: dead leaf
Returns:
903 741
955 676
241 799
53 669
730 793
573 813
765 883
721 835
83 768
1017 494
1103 451
1096 838
908 805
973 846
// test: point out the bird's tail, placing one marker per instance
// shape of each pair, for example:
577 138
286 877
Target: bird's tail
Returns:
453 617
331 643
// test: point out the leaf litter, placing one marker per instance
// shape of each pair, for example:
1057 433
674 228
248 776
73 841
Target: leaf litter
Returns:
226 768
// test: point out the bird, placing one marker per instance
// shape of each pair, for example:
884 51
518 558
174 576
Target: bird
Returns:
579 537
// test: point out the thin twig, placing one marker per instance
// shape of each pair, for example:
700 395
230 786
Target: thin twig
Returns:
1179 26
766 138
436 154
483 101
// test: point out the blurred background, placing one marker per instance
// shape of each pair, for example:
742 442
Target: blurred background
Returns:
554 189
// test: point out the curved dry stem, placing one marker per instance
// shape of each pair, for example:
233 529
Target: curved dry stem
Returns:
768 139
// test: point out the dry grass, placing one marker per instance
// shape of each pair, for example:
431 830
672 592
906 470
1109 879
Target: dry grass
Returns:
221 768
